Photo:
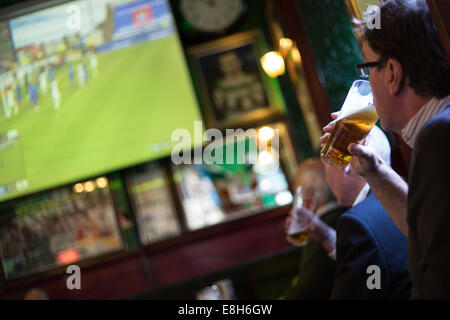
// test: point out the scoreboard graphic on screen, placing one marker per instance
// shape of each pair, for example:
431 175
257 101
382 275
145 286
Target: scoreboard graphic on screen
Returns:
140 18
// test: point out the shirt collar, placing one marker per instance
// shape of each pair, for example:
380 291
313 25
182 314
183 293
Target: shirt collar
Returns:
326 208
431 108
362 195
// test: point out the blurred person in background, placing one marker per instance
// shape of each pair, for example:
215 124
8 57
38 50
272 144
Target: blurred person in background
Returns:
314 279
365 236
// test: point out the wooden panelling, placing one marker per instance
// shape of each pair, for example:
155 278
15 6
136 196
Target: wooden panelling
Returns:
440 12
109 280
215 248
219 252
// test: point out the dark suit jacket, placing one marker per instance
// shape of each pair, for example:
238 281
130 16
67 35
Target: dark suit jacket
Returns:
314 280
429 210
366 236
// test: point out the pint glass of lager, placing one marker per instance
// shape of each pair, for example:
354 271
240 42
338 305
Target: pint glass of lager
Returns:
356 119
305 197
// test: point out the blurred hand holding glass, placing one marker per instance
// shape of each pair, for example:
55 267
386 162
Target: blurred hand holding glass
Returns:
305 197
356 118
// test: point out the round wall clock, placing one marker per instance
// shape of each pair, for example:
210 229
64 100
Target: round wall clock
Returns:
211 15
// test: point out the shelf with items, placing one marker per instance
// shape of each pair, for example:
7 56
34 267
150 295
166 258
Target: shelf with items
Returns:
248 174
58 227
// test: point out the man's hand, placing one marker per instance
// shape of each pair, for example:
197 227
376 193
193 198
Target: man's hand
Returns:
323 234
365 161
327 129
303 218
318 231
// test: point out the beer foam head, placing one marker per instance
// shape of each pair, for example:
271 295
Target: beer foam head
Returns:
358 96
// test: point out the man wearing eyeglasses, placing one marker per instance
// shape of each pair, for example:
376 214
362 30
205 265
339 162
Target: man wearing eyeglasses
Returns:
410 80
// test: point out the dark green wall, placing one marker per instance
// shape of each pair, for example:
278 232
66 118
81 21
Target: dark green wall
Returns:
334 44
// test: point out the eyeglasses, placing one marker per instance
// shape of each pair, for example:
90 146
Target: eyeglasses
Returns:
364 68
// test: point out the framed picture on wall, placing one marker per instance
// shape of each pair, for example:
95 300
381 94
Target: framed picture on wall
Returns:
233 88
152 202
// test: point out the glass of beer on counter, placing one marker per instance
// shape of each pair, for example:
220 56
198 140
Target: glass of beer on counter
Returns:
356 118
305 197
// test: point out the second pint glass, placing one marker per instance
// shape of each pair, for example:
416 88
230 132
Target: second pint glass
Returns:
305 197
356 119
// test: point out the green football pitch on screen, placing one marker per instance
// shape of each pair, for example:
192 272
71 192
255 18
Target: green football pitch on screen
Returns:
123 114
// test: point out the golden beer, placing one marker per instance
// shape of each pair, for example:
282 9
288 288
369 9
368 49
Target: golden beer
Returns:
299 238
352 128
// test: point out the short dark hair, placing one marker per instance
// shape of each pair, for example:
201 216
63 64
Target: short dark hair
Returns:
409 35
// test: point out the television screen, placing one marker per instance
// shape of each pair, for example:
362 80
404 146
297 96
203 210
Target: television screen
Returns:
88 87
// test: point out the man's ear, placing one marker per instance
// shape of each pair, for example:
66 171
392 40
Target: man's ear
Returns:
394 77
